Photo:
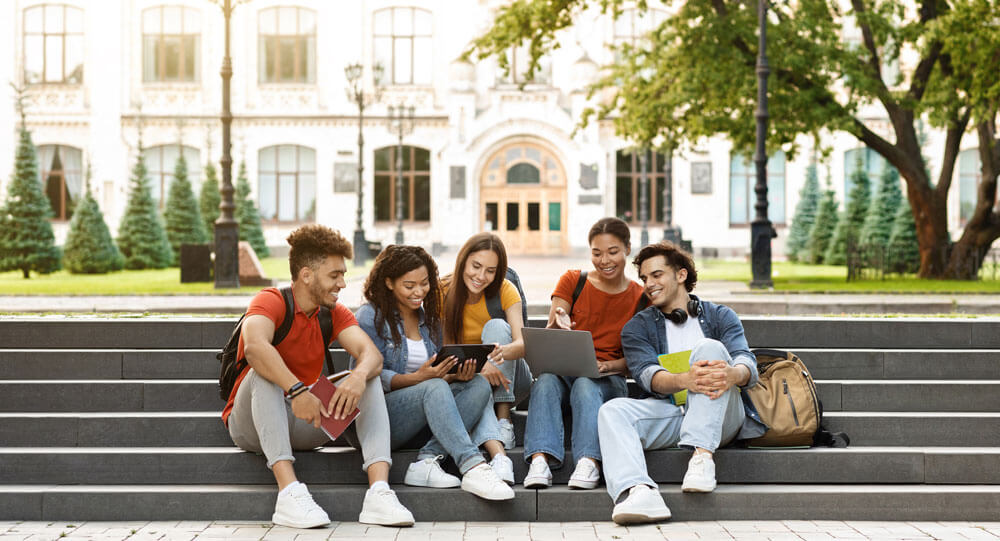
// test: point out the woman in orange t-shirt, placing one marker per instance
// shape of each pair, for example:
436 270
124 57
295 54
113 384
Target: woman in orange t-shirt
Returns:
606 302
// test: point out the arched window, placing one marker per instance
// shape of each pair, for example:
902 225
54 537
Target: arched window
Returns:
287 176
416 167
286 45
60 171
170 39
53 44
160 164
870 161
628 181
523 173
518 59
743 177
403 45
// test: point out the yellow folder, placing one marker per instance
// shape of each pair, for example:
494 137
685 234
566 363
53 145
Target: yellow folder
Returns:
677 363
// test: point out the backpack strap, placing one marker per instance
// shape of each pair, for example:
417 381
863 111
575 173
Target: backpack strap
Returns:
326 328
582 281
494 307
641 304
286 324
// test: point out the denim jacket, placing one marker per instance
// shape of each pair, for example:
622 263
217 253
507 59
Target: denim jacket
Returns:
645 336
394 355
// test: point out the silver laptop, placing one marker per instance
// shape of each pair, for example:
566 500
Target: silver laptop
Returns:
560 352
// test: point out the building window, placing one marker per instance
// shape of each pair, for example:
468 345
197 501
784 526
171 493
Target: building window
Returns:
53 44
160 164
633 26
61 174
287 175
518 59
854 41
628 182
170 39
416 184
742 198
287 45
970 175
403 45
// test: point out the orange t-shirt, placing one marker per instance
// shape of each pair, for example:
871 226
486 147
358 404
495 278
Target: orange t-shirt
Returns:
302 348
603 314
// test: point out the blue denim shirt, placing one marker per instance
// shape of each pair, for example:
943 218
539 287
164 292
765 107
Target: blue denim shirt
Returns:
645 336
394 355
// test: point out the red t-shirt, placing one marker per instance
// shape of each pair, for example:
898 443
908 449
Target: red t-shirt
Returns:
302 348
603 314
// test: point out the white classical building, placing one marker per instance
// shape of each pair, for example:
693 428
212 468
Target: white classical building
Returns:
484 154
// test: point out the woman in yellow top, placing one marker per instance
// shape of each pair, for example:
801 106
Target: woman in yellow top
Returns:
479 274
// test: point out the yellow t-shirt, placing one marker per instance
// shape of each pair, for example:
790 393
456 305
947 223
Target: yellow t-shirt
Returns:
476 315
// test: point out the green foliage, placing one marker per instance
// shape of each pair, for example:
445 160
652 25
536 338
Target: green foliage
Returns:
805 216
26 240
183 219
209 199
848 231
903 247
247 215
878 222
89 247
822 229
141 237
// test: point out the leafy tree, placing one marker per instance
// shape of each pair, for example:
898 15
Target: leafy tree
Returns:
141 237
209 200
89 247
822 229
905 254
664 87
848 231
247 215
805 216
184 224
26 240
882 212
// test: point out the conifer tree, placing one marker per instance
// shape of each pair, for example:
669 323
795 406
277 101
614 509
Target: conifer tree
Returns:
209 199
848 229
805 216
141 237
903 248
247 215
822 229
26 240
183 219
89 247
882 213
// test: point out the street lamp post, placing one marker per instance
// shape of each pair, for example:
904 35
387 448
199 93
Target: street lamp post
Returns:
643 199
401 121
670 233
761 230
356 93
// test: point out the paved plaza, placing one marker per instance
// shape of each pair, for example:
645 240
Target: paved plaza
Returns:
507 531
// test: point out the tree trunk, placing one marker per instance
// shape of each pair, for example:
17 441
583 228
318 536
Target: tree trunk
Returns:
930 213
27 273
984 226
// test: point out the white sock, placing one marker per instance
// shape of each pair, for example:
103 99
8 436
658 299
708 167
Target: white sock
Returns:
379 485
539 459
287 487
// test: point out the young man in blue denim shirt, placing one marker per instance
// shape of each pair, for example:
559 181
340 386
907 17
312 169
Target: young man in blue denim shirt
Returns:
714 415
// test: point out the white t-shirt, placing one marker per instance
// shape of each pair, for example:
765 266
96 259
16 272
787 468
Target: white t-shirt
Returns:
416 355
684 336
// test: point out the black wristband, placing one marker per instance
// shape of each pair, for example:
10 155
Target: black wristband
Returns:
291 390
303 390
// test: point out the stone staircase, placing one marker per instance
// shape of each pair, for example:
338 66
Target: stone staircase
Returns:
118 419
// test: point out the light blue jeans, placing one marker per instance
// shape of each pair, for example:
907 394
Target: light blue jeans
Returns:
497 331
450 411
627 426
550 395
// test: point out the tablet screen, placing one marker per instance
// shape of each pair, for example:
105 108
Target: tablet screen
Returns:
464 352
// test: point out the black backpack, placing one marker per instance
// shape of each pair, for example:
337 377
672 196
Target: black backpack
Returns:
495 308
582 281
230 367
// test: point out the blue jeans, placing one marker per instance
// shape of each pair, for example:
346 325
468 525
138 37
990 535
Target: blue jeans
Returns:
550 395
497 331
627 426
449 410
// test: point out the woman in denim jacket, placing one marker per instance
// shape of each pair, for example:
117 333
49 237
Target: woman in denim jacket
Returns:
402 319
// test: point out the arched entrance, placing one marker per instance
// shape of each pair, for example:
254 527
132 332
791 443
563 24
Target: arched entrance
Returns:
523 195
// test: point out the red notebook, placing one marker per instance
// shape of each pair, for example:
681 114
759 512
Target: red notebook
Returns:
324 389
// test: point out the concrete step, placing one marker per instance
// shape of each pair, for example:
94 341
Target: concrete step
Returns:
202 395
343 503
228 465
776 332
937 364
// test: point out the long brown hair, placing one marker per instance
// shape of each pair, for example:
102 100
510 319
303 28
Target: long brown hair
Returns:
395 261
458 293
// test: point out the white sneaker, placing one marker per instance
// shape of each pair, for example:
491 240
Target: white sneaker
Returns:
296 508
643 504
503 466
700 476
428 473
483 482
382 508
539 474
586 475
506 433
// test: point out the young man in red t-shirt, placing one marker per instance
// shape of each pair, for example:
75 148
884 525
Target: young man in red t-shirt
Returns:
268 411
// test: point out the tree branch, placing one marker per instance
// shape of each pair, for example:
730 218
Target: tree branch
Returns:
952 143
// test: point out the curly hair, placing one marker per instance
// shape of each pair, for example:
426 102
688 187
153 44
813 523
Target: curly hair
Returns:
674 256
311 244
458 293
395 261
